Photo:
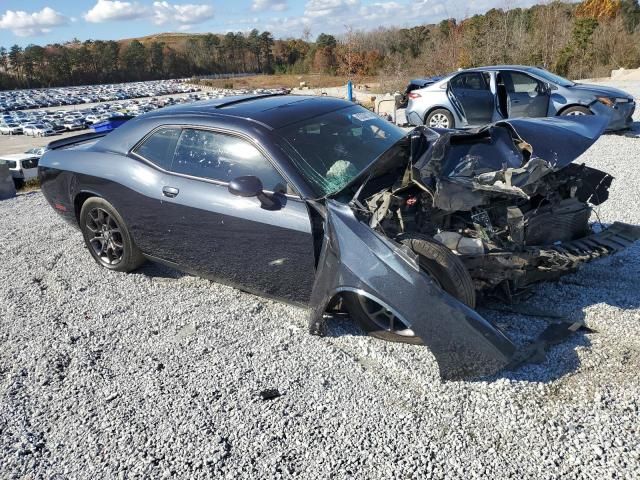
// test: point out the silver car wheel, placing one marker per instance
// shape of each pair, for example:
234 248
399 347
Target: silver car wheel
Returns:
439 120
576 113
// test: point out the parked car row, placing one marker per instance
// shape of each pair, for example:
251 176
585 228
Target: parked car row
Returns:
46 122
55 97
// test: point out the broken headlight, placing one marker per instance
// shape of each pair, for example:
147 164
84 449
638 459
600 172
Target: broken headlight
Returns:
609 102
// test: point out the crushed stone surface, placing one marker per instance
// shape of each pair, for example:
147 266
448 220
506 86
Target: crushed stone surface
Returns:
157 374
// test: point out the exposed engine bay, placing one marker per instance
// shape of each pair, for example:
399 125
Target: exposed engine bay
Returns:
512 216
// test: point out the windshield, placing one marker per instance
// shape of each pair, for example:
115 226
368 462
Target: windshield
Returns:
332 149
557 79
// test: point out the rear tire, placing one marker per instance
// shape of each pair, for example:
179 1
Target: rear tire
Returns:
576 111
440 118
107 237
444 268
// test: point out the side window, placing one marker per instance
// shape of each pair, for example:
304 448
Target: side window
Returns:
159 147
523 83
469 81
30 163
205 154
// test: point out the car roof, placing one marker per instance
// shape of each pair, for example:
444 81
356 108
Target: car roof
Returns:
525 68
274 111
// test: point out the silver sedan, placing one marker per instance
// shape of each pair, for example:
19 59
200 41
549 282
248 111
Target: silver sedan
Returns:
479 96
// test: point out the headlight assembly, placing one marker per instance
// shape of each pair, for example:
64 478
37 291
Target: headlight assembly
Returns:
609 102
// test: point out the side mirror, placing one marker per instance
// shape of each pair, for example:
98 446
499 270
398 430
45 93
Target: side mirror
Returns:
246 186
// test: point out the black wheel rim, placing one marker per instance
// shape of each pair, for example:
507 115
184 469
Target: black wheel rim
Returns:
384 318
105 237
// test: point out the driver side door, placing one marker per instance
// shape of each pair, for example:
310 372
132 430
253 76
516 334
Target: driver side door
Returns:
233 239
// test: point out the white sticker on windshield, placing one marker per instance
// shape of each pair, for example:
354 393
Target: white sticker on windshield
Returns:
364 116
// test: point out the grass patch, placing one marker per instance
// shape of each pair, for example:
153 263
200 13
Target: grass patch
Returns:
284 81
30 186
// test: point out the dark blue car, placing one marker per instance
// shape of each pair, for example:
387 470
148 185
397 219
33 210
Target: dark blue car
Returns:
319 202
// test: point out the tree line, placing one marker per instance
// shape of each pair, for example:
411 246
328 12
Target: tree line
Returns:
577 40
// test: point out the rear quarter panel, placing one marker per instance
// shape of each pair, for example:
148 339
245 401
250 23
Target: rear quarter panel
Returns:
431 97
131 186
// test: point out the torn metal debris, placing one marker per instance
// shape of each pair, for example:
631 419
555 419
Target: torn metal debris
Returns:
508 206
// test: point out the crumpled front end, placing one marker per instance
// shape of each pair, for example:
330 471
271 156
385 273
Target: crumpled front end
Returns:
506 199
354 258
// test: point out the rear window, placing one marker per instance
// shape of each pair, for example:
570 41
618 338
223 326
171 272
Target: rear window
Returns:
159 147
469 81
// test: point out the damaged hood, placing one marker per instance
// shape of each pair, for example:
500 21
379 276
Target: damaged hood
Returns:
454 171
559 140
467 168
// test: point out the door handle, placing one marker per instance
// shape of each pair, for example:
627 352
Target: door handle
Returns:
170 192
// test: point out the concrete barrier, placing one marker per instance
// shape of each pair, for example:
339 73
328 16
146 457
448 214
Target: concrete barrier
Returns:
7 187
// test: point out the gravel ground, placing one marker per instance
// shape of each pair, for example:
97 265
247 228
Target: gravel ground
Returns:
157 374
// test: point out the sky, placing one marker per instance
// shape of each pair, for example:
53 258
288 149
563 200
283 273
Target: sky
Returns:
49 21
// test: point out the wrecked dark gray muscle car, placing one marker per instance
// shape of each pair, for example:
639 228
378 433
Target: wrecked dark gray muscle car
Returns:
322 203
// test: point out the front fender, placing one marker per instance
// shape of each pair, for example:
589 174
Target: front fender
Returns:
355 258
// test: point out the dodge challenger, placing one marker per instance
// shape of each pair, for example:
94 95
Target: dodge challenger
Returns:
321 203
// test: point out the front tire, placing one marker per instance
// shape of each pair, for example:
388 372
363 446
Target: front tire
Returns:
576 111
440 118
445 269
107 237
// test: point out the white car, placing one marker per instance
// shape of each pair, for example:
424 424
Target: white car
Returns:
71 125
10 129
23 167
38 130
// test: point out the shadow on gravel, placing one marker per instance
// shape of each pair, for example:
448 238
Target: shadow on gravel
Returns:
158 270
633 131
523 325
